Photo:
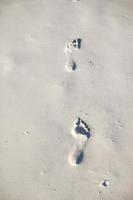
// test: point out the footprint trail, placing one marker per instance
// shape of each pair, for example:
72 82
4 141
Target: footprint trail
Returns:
81 132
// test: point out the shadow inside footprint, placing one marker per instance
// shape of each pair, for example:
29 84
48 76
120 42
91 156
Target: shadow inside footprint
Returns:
80 158
74 66
79 43
76 43
82 128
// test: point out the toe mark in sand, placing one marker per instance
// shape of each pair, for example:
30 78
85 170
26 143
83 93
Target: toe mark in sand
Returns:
73 45
76 43
80 127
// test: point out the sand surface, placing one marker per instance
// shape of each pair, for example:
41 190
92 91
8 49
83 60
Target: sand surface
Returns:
66 116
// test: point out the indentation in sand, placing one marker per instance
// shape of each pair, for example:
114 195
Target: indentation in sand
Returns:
70 64
81 132
73 45
106 183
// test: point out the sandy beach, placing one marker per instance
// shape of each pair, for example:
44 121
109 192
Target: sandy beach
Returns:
66 99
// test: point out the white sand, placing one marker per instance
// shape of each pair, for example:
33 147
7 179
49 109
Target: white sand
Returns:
40 99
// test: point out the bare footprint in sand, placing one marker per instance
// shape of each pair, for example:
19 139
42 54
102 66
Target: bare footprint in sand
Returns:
82 133
70 65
